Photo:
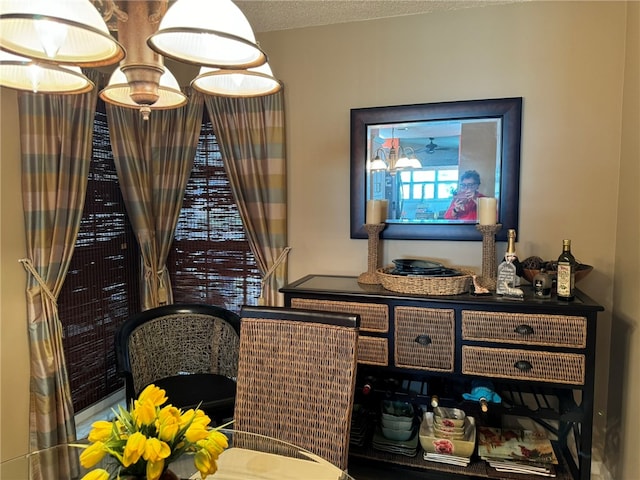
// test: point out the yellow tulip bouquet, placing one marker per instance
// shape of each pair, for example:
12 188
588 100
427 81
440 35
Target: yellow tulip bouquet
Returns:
147 438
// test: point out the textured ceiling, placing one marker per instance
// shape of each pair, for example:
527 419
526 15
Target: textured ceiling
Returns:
270 15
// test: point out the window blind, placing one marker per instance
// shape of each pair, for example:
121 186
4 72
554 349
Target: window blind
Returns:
101 287
210 259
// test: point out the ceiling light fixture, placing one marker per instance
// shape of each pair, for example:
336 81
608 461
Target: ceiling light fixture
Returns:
214 34
24 74
207 33
393 163
407 161
251 82
70 32
378 163
120 92
141 81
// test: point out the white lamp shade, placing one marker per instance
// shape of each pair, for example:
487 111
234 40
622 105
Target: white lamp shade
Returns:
62 31
405 162
118 92
377 164
252 82
213 33
21 73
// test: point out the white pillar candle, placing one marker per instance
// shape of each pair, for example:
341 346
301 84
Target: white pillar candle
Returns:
371 212
487 211
376 211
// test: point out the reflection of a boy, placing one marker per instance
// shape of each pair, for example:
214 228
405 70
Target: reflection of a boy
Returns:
464 205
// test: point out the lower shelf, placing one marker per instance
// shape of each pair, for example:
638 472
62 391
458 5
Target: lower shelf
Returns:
476 469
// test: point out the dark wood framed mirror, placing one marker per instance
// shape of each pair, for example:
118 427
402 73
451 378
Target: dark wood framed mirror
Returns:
430 162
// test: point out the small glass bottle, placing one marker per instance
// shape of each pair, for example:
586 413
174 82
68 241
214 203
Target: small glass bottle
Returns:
542 283
507 269
566 273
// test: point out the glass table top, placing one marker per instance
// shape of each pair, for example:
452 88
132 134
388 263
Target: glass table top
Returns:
249 457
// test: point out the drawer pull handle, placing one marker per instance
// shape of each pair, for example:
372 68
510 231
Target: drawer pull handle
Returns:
423 339
523 365
524 330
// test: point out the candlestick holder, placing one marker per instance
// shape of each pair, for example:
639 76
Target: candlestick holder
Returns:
489 262
373 231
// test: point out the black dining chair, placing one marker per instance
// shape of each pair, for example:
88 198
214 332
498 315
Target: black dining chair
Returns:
189 350
296 377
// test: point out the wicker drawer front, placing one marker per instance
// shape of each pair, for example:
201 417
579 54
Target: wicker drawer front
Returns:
373 351
374 317
554 330
424 338
523 365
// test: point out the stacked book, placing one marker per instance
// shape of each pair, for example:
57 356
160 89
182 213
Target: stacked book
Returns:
517 451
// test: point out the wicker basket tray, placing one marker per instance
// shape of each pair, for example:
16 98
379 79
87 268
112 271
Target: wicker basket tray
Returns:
424 285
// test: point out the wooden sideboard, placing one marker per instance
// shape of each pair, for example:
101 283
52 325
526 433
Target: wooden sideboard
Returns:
539 354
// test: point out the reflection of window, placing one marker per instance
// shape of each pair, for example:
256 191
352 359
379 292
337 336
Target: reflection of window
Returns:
427 183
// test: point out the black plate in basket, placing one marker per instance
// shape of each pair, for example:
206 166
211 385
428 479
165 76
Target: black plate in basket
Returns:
440 272
408 266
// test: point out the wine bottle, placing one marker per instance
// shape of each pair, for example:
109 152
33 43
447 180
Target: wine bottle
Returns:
369 385
516 262
507 269
566 273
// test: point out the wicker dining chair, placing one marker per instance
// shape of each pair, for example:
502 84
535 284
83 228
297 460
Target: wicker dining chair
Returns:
296 377
189 350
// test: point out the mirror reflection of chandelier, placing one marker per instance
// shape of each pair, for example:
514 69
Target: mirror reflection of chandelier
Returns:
397 158
43 42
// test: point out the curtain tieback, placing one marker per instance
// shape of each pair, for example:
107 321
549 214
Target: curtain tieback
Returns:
270 271
149 272
28 266
162 287
160 276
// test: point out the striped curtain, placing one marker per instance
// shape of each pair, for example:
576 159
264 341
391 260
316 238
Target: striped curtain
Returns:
56 133
153 159
251 135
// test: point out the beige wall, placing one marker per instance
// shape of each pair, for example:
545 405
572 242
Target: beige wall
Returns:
624 385
14 349
566 59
